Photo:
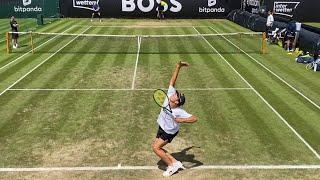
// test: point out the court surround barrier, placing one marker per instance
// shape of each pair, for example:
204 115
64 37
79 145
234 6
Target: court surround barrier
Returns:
309 41
29 8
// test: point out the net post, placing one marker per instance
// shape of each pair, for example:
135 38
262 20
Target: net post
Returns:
263 45
31 42
8 42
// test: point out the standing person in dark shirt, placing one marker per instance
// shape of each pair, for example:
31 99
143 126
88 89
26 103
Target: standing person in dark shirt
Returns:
96 10
290 35
14 29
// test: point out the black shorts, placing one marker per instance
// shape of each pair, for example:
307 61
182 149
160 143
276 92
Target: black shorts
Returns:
96 12
160 8
15 35
165 136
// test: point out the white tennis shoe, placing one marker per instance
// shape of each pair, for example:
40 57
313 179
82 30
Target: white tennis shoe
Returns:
173 169
170 170
178 165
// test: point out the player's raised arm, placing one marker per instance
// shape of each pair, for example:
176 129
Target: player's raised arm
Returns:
176 72
191 119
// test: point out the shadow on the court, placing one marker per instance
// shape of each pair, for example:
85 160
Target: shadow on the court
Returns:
187 159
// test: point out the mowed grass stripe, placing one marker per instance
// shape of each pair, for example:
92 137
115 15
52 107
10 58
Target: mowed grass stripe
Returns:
74 53
8 126
128 128
183 48
293 73
144 111
55 26
296 75
10 57
224 76
229 26
14 134
53 127
273 91
235 136
48 77
68 104
139 134
22 67
44 138
144 75
213 131
268 139
260 129
213 67
98 60
296 108
24 24
31 73
150 54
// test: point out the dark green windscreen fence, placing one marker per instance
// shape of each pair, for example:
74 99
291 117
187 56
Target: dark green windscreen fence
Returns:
29 8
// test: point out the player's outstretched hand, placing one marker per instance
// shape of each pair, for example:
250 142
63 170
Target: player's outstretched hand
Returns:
182 63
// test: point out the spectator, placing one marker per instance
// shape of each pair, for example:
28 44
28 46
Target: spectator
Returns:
14 29
269 23
290 35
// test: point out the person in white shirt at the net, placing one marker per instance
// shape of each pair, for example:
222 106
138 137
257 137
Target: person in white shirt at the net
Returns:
269 23
169 124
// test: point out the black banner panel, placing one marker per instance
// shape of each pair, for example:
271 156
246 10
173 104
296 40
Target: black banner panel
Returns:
299 10
252 6
148 8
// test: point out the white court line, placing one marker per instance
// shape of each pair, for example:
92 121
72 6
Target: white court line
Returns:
281 79
119 167
266 102
141 26
42 63
34 49
143 89
136 65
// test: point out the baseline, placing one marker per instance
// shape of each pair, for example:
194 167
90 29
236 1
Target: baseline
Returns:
120 167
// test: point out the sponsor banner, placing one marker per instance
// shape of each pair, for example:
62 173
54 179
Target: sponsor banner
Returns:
299 10
285 8
148 8
84 4
28 8
252 6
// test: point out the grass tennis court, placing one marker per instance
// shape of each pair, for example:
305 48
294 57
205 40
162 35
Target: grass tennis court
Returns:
87 102
314 24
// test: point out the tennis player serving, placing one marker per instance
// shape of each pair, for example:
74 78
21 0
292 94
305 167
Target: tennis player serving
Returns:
169 120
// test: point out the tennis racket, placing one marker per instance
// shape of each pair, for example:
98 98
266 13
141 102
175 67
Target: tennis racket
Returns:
160 98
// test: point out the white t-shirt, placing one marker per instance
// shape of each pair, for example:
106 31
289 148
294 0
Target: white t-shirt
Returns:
166 121
270 20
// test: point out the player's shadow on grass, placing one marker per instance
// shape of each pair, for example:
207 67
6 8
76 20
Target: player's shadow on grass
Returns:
187 159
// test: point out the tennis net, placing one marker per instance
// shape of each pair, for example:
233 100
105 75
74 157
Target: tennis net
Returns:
224 43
